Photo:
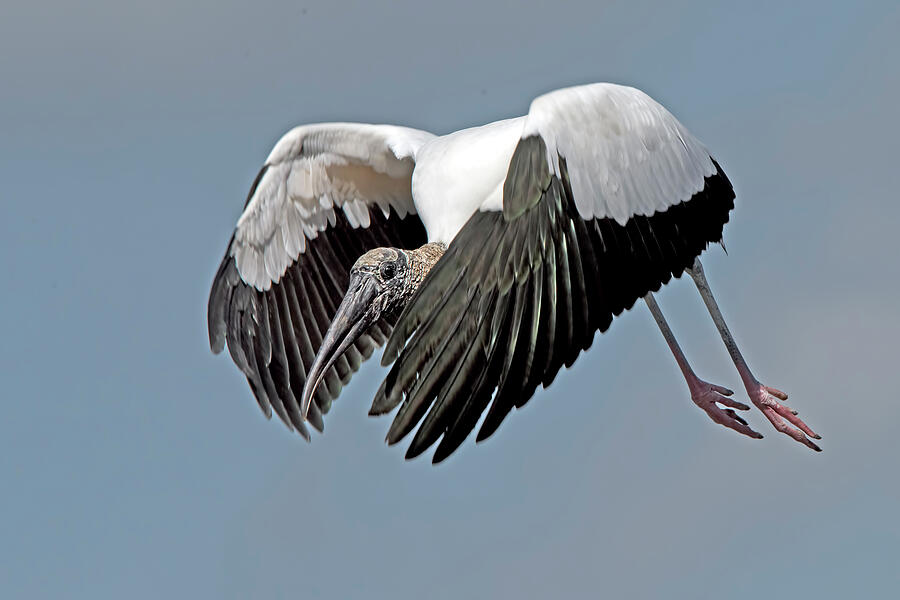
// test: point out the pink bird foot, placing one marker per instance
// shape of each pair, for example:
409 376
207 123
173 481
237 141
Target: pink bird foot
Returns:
767 399
708 396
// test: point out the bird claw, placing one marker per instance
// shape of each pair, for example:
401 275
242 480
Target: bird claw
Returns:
708 396
766 399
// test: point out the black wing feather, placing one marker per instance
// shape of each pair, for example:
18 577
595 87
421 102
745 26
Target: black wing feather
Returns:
519 294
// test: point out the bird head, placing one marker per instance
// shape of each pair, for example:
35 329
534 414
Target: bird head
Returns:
378 286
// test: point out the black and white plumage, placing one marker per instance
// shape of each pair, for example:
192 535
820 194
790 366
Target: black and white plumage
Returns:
288 262
553 224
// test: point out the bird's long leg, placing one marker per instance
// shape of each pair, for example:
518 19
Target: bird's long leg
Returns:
764 397
706 395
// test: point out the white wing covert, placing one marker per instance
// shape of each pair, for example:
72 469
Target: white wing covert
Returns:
311 171
626 154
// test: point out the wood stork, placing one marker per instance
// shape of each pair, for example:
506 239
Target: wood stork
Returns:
485 260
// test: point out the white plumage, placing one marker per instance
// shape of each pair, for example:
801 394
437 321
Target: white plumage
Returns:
312 170
626 154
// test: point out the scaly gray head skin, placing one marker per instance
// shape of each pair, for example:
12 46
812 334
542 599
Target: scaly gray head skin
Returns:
382 281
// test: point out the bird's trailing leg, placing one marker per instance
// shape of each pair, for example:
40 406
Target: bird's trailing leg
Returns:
706 395
764 397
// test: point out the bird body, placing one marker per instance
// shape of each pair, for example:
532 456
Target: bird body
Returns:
460 173
540 230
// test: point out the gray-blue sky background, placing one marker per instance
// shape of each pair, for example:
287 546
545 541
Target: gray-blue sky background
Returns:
136 464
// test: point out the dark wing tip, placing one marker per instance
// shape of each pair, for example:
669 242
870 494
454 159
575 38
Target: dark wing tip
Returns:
219 297
227 277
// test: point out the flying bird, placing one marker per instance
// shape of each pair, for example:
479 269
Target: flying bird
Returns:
483 260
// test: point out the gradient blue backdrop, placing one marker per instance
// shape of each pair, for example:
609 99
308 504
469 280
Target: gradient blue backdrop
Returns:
135 464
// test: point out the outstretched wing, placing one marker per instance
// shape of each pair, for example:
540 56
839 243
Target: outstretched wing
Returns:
327 194
607 197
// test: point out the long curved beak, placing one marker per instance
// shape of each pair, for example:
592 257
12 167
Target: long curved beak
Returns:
353 318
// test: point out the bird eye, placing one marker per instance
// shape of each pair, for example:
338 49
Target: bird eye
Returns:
388 270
